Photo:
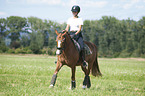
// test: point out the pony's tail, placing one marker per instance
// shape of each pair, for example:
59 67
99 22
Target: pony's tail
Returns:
95 69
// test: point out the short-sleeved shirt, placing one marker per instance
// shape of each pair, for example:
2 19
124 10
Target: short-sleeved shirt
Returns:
74 23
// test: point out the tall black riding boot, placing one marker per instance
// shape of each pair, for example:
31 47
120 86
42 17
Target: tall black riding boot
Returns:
83 58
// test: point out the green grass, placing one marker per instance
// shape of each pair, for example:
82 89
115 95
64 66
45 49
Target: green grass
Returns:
30 75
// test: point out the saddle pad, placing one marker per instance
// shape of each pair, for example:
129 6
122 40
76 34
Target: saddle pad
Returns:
87 49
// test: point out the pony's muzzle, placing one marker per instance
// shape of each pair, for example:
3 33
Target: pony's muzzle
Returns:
58 52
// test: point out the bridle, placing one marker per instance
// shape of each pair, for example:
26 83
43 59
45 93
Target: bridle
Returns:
60 48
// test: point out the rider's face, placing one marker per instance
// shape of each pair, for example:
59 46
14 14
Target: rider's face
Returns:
75 13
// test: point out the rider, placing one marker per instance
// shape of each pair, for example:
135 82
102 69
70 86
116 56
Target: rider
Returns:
75 24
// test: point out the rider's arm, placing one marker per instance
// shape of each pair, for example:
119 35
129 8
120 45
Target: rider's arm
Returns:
80 27
67 27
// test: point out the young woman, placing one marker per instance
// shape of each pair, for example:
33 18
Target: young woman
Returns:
75 24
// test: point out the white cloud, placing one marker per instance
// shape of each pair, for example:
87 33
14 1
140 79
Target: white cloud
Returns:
130 4
140 7
127 6
88 3
68 3
73 2
50 2
15 1
115 5
99 4
2 13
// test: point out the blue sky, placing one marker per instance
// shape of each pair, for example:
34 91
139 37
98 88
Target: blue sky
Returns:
59 10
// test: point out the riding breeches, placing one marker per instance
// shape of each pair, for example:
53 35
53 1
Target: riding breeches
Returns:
79 39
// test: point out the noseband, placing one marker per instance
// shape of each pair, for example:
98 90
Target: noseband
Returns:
60 48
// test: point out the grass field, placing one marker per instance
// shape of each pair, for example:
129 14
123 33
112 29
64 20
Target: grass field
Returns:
30 75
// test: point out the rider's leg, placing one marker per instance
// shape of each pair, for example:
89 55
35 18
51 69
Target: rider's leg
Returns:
81 42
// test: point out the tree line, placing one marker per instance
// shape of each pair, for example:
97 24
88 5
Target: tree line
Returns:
114 37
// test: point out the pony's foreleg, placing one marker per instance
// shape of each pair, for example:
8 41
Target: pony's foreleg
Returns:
73 83
54 77
85 70
86 81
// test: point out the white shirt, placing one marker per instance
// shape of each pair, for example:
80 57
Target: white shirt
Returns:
74 23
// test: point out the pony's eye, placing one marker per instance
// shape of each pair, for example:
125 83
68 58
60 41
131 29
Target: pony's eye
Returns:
63 36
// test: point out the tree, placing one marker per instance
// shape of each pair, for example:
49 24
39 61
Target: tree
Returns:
2 30
15 25
86 30
142 36
36 42
2 27
112 36
25 40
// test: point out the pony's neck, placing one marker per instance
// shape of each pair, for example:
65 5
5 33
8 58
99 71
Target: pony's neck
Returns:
68 42
69 46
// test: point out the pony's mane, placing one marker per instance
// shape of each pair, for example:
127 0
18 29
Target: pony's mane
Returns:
65 34
61 32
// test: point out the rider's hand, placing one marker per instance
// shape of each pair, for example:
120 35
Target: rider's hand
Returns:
72 36
63 30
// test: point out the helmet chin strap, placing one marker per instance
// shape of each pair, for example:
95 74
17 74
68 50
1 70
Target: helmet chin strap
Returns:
76 15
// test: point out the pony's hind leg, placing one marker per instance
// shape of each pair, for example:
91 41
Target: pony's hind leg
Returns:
86 81
54 77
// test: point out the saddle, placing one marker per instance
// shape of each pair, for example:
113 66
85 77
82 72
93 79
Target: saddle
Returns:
87 49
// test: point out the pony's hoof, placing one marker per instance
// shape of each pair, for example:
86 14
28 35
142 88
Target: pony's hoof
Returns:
51 86
71 88
84 87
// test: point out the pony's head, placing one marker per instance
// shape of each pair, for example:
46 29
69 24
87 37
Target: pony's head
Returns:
60 41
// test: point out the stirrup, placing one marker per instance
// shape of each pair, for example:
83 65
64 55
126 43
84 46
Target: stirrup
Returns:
84 64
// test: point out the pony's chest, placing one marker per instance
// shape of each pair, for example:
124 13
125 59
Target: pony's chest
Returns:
65 61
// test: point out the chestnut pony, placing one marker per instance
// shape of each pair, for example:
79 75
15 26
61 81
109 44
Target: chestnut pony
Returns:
68 55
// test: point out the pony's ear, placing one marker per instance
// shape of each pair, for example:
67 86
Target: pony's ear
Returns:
56 32
64 33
